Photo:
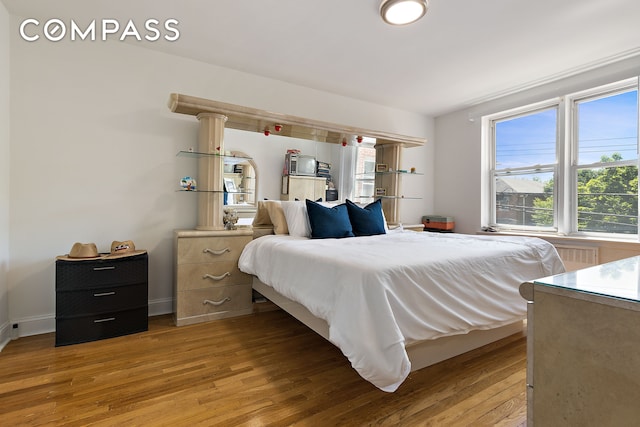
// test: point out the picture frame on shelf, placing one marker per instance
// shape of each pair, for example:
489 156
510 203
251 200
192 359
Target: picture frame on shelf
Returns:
230 185
381 192
382 167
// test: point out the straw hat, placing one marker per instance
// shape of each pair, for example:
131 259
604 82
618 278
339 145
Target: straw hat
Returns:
123 249
81 252
88 251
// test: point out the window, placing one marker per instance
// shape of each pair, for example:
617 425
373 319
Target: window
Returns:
525 166
569 165
606 170
365 172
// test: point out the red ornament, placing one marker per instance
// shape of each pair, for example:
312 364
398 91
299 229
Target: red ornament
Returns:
359 139
267 132
344 142
278 128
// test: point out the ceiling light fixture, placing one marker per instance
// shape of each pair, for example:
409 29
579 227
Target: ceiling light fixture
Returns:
403 12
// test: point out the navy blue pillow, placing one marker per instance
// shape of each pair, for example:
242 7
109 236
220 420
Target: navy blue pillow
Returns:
328 223
367 221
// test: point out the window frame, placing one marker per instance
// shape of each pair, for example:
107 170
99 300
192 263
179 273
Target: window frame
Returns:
495 172
566 166
362 177
574 166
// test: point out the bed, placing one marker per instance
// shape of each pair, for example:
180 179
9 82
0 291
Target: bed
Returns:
399 300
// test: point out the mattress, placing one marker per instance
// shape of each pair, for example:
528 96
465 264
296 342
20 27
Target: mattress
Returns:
381 293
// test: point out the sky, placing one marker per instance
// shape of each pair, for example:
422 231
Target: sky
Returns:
605 126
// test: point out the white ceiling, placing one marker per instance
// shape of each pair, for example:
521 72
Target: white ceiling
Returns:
461 52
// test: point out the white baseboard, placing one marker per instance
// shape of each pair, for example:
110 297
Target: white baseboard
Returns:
5 334
45 324
35 325
160 306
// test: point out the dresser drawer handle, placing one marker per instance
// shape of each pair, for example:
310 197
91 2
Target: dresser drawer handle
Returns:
104 294
111 267
216 303
216 278
216 252
108 319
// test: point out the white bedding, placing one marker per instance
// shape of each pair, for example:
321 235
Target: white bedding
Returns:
381 293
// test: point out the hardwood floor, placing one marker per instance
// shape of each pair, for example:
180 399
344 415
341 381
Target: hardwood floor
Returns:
262 369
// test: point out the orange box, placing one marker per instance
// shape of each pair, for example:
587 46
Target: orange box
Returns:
437 222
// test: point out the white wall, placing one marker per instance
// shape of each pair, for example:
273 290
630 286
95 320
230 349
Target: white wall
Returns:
4 175
457 170
458 177
93 155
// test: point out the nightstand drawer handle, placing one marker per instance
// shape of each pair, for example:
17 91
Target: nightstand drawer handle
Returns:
208 301
216 252
108 319
216 278
104 268
104 294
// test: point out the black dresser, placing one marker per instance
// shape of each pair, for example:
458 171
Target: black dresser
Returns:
101 298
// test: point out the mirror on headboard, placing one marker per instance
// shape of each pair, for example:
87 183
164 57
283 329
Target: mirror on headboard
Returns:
240 181
215 116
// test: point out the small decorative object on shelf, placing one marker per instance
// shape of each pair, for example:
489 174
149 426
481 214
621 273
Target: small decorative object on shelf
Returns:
381 167
230 219
229 185
188 184
413 170
381 191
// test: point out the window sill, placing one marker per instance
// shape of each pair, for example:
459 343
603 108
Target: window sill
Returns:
631 242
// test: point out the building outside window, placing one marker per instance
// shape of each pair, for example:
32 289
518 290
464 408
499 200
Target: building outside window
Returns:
568 165
365 172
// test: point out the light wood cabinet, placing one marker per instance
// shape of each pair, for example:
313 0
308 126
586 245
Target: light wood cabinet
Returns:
208 284
303 187
583 343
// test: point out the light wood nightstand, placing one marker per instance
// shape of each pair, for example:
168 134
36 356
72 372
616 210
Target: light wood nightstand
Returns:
207 282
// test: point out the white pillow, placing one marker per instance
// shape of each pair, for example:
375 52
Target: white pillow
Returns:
384 219
297 218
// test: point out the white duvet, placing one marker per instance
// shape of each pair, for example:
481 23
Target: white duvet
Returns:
381 293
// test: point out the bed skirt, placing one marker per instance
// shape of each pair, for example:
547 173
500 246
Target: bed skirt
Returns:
421 354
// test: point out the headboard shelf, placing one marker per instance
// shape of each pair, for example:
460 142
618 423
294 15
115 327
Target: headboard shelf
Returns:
256 120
